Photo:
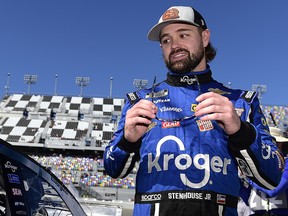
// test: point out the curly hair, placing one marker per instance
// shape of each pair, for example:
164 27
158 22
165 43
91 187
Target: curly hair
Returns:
210 52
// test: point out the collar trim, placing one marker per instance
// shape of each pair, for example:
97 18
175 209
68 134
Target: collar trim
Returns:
191 79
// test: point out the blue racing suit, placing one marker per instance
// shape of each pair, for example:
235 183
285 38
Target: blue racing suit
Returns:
188 166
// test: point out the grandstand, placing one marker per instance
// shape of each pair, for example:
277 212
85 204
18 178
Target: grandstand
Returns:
276 116
58 121
69 134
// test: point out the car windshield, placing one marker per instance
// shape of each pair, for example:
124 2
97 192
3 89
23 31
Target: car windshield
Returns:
27 188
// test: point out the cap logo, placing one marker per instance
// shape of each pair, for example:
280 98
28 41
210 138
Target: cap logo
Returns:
172 13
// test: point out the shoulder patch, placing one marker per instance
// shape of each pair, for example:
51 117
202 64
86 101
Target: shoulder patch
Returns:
133 97
248 96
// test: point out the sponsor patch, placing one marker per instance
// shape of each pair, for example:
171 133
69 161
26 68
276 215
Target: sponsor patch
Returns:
170 109
239 111
12 178
152 125
166 100
170 124
221 199
248 96
8 165
193 106
132 97
244 167
218 91
162 93
204 125
19 204
151 197
16 192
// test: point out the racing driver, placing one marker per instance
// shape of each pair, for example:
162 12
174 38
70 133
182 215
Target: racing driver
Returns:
189 134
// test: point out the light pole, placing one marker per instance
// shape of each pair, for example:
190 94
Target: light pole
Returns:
30 79
140 83
82 81
261 89
111 83
229 85
55 84
7 87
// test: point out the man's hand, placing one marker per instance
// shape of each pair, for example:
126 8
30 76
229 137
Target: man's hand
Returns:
213 106
138 119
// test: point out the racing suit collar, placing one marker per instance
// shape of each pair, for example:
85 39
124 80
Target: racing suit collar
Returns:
189 78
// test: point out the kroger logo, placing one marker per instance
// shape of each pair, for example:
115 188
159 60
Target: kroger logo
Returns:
185 161
188 80
8 165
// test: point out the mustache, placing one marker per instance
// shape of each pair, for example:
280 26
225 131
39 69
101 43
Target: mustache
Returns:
178 50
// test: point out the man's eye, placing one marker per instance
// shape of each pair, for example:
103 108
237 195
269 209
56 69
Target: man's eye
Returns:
164 41
183 35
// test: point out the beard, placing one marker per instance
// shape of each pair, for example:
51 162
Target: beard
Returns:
185 65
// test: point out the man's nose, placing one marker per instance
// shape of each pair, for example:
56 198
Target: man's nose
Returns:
175 43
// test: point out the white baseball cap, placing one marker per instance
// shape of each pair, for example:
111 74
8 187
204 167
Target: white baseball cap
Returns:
278 134
175 14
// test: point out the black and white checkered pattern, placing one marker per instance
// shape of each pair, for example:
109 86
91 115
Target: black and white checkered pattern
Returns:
19 102
16 127
70 105
106 106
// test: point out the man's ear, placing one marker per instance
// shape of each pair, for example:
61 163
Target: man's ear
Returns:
206 37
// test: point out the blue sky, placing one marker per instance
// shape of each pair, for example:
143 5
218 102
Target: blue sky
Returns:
103 39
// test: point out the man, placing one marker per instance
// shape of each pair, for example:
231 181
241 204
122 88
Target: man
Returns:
270 202
281 139
189 132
